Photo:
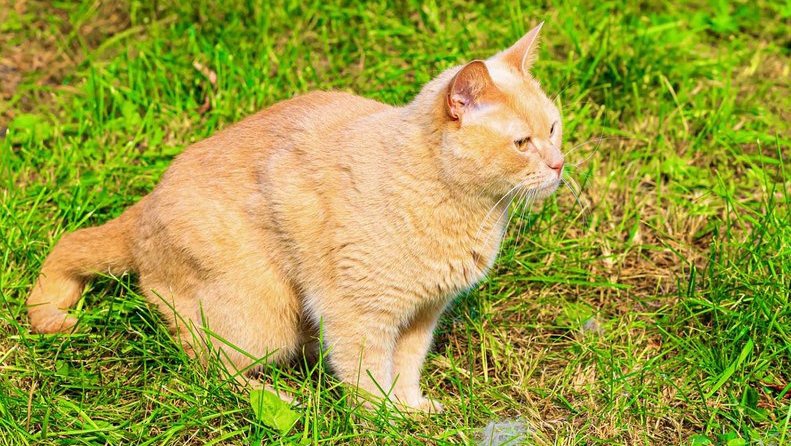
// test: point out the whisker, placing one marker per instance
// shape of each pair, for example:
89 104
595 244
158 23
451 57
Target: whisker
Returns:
593 152
515 204
485 218
597 140
528 200
564 88
574 183
573 191
583 210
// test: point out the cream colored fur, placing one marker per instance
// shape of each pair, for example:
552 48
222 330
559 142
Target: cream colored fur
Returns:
330 210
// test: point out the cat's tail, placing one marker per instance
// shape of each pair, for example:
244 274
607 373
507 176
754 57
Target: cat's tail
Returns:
75 258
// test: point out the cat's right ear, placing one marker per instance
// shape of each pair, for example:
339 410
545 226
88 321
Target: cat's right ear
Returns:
469 88
523 53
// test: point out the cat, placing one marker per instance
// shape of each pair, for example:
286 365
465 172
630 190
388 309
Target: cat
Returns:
330 210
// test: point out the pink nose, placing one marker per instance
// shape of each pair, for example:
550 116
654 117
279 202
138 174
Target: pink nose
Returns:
557 166
552 157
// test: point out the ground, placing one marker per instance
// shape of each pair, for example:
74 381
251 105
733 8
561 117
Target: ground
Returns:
654 310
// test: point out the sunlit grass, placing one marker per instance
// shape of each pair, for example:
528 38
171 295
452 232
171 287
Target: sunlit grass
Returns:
653 311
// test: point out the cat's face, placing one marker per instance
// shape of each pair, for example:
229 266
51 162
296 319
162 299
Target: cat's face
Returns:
504 133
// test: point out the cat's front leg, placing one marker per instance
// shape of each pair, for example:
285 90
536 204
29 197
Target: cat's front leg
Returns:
410 352
361 351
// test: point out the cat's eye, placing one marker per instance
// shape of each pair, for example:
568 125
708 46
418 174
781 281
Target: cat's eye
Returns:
552 129
521 144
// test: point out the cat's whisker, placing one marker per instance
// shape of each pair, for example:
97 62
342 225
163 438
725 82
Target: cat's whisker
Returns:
593 152
597 140
574 192
574 183
515 199
517 203
485 218
526 209
562 89
524 199
495 225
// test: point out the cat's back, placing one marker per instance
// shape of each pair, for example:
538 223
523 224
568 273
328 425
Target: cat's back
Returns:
228 161
312 114
229 166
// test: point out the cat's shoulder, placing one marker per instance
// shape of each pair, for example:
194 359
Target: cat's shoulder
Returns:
339 101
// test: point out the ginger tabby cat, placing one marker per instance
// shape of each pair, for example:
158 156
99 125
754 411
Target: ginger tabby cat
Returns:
330 210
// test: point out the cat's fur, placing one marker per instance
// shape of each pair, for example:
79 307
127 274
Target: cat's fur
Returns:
334 210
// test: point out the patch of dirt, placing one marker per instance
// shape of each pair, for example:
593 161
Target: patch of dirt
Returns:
42 42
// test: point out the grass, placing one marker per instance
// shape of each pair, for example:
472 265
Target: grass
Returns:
659 314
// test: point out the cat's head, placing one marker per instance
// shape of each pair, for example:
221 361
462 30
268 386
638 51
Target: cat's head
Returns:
500 131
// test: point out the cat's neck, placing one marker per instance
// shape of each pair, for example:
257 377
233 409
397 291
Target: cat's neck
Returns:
476 216
420 127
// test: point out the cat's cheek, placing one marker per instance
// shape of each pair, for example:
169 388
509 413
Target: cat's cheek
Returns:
557 139
522 170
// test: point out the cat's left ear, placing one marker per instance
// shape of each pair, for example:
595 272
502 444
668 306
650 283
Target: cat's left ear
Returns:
521 55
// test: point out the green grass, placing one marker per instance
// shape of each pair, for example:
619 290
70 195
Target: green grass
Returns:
658 315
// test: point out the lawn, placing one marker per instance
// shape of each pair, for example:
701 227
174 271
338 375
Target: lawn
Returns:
653 310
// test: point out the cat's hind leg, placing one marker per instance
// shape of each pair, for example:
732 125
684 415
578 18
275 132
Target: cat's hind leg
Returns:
251 319
245 319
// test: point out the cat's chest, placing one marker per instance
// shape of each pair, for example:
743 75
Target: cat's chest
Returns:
452 265
418 254
464 270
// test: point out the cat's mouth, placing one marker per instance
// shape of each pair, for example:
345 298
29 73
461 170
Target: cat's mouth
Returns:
547 188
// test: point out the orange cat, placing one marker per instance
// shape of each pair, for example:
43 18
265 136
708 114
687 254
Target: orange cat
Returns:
334 210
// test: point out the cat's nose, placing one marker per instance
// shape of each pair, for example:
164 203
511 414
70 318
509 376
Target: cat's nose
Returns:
557 165
554 158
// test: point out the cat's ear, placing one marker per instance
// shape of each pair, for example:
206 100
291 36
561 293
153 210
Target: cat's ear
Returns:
471 86
523 53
